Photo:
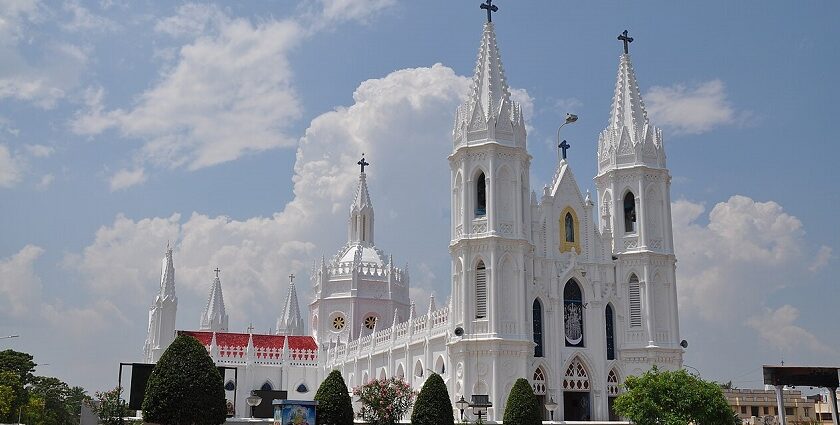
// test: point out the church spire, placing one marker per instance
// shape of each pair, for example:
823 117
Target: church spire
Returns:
161 330
628 109
360 226
214 317
489 113
167 274
289 322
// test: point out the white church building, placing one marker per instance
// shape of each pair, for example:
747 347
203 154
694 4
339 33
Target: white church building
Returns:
572 293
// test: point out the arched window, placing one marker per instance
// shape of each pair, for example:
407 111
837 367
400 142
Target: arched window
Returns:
569 221
629 213
612 393
302 388
635 298
608 323
266 386
573 314
576 378
480 196
539 382
537 324
480 291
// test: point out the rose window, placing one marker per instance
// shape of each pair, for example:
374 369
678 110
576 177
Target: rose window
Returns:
338 323
370 322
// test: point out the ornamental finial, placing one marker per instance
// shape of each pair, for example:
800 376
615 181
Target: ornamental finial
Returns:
363 163
627 40
490 7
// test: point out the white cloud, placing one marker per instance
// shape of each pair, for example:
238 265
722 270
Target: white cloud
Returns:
690 110
82 19
15 15
39 151
345 10
20 286
80 322
45 182
124 179
823 257
777 328
192 20
403 121
229 94
44 79
11 169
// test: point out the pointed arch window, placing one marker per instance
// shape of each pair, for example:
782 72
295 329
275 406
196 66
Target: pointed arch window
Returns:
480 291
609 324
569 222
629 212
613 390
635 300
573 314
569 229
576 378
266 386
538 383
538 331
481 196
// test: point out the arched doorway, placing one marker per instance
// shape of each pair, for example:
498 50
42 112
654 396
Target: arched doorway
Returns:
576 397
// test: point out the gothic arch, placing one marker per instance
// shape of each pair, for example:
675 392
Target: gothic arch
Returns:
539 381
537 327
569 235
440 365
613 382
577 375
609 330
629 212
400 372
418 369
267 385
573 314
382 374
480 192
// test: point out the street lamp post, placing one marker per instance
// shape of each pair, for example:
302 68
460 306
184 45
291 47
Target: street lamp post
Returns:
570 118
551 406
480 404
9 336
462 404
253 401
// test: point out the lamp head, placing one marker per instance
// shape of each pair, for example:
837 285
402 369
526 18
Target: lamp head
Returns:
570 118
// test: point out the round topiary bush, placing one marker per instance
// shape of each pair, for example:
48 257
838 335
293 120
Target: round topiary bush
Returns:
522 407
334 405
185 387
433 406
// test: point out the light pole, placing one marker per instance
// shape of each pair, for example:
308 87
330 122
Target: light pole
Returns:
253 400
570 118
551 406
462 404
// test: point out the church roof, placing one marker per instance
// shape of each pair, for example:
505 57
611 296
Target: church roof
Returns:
628 109
231 343
362 197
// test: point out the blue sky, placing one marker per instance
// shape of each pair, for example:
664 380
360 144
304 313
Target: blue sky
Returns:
232 130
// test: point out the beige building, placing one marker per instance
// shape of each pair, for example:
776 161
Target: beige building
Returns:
822 406
759 407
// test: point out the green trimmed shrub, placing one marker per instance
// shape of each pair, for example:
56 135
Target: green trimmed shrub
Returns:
334 405
433 406
185 387
522 407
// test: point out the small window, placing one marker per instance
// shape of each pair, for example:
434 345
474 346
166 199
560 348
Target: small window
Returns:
302 388
629 213
766 410
480 196
569 222
480 291
338 322
370 322
743 410
267 386
608 324
754 411
538 331
788 411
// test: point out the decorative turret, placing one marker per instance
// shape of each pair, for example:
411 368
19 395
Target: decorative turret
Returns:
489 113
214 317
629 139
161 331
289 323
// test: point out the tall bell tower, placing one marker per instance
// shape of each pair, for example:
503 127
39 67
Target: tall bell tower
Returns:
490 247
634 192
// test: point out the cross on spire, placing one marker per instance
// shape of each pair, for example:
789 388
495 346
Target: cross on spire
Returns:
627 40
564 147
217 270
363 163
490 7
250 328
291 278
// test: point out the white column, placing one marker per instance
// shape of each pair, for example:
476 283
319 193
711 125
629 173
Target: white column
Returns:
780 404
648 288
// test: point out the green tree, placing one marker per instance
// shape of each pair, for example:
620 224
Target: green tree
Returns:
673 398
185 387
522 406
53 392
7 397
20 364
108 406
16 396
73 403
334 405
433 406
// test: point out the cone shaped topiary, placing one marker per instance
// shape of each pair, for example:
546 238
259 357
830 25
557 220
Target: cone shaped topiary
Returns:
185 387
433 406
522 407
334 406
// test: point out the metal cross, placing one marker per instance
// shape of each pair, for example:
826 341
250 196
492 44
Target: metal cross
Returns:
490 7
250 328
217 271
627 40
363 163
564 146
291 278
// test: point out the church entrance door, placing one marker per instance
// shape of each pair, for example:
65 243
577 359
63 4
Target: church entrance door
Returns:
576 406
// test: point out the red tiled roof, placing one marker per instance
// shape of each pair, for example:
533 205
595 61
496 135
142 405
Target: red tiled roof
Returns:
236 340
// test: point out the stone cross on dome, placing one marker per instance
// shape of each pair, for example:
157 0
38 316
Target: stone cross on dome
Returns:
363 163
627 40
490 7
564 147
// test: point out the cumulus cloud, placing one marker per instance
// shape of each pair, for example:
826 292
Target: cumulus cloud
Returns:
403 121
20 287
45 182
124 179
229 94
345 10
39 151
777 328
11 170
823 257
192 20
82 19
690 110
